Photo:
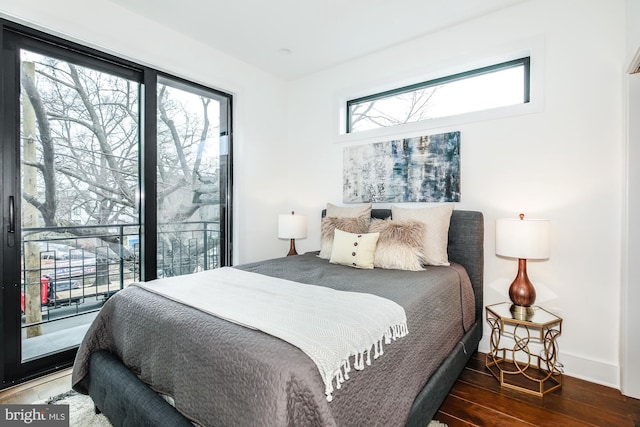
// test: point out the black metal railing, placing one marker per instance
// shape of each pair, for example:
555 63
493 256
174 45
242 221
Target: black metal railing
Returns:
80 267
188 247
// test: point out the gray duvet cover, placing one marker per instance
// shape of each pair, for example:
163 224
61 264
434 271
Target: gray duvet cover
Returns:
222 374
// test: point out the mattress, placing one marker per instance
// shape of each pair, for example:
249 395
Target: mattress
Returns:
219 373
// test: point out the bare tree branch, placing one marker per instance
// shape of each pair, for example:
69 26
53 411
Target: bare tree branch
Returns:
98 130
174 135
48 207
203 136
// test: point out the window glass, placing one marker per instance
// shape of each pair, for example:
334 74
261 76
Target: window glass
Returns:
79 175
191 133
482 89
112 173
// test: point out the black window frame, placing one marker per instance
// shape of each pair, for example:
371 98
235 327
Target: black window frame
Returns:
524 61
12 369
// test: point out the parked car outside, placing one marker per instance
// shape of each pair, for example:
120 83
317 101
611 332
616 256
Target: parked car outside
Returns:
62 268
44 293
60 292
69 268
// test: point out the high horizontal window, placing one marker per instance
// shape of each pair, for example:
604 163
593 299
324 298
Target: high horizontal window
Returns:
480 89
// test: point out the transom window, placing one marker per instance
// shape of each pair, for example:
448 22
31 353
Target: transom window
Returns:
484 88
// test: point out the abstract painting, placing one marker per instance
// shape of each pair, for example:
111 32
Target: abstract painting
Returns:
419 169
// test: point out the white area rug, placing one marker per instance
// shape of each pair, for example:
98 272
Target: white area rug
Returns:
81 410
82 413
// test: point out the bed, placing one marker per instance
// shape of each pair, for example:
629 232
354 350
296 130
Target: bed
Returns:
148 360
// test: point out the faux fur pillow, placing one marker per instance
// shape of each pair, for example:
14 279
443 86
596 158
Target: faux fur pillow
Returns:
400 245
329 224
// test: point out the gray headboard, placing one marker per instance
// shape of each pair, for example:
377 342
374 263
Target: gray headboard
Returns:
466 246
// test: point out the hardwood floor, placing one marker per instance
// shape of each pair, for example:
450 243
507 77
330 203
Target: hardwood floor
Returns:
475 400
38 390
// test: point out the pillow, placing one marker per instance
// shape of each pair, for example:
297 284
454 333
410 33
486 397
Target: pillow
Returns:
399 245
329 224
349 212
354 250
436 231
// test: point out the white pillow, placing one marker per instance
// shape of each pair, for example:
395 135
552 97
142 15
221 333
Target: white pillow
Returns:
348 211
436 231
354 250
329 224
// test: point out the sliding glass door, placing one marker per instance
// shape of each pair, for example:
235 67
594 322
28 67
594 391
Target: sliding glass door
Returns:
193 157
111 173
79 174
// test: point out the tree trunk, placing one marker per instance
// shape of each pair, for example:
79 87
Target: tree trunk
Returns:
34 102
30 215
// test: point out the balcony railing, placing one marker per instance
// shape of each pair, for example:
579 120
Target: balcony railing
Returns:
188 247
80 267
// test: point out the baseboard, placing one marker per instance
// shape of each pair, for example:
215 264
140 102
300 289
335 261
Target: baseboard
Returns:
591 370
580 367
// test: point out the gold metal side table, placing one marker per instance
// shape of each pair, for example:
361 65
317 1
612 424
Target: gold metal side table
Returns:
517 368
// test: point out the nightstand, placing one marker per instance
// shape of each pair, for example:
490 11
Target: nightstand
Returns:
518 367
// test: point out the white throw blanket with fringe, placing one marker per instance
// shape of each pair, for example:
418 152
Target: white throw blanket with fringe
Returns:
330 326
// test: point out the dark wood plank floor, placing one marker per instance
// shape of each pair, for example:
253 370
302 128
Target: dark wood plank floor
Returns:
478 400
475 400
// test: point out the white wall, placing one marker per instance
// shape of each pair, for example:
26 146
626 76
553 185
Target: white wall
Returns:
259 101
630 316
560 159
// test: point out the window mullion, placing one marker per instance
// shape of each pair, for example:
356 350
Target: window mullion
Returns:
148 166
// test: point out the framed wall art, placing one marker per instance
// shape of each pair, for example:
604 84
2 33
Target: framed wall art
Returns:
418 169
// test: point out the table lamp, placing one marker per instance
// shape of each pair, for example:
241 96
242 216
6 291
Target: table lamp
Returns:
292 227
523 239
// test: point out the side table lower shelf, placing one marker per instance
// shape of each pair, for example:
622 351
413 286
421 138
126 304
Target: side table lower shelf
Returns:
530 373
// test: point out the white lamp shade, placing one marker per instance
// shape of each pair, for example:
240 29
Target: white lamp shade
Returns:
292 226
522 238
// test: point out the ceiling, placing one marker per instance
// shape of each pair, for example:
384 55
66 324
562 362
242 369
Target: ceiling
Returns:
293 38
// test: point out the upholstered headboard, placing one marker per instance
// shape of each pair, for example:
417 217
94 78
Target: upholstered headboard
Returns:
466 246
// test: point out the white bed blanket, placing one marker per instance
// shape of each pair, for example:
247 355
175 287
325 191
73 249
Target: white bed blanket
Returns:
336 329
